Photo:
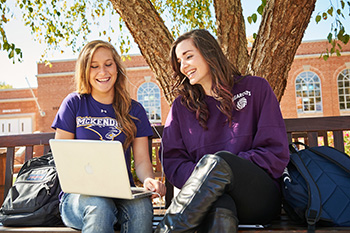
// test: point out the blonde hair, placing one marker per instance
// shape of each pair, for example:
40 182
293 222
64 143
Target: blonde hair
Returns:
121 100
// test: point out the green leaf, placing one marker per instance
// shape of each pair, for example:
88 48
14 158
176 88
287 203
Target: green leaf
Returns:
11 54
340 35
260 9
346 38
249 19
6 46
342 4
329 37
254 17
318 18
330 11
325 57
338 53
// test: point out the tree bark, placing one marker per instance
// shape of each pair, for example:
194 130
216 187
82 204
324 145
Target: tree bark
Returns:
280 34
152 36
231 32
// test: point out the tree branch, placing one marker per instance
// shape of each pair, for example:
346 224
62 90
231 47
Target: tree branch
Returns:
276 44
152 36
231 32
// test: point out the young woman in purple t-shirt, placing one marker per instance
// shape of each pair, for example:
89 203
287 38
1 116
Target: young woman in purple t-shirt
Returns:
101 109
224 142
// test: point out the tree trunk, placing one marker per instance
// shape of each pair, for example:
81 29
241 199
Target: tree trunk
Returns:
152 36
231 32
280 34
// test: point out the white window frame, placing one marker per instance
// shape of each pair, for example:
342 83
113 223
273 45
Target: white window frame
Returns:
308 93
343 82
148 94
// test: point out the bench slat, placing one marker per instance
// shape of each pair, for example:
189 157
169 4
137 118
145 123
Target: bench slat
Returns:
26 139
317 124
338 140
29 153
312 138
10 155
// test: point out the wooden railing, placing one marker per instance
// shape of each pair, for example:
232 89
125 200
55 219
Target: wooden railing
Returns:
312 129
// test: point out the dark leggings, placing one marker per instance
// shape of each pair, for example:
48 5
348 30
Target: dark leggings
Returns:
254 197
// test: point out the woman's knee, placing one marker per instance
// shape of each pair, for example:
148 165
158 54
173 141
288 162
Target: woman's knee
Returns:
99 210
242 167
137 209
136 215
228 156
78 211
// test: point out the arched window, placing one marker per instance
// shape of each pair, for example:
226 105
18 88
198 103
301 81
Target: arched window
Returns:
308 92
344 89
148 95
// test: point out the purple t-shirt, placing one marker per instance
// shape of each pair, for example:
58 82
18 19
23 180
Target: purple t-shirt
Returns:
258 133
89 119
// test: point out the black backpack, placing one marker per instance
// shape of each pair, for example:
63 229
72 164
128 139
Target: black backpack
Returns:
34 198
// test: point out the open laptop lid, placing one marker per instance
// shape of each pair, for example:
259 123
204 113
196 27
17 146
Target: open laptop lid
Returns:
92 167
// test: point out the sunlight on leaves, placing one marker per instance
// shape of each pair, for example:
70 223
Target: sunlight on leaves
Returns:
337 34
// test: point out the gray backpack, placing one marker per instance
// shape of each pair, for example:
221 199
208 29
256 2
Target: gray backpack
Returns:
34 198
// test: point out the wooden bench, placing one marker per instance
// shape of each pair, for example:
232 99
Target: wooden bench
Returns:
308 130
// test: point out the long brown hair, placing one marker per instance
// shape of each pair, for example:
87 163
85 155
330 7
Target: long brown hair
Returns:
121 100
223 74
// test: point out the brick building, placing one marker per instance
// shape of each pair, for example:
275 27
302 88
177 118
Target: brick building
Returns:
315 88
18 111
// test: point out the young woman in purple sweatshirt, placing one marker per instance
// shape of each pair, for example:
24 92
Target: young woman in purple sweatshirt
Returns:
224 142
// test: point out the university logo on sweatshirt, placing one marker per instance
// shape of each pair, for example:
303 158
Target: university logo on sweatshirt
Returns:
241 100
104 127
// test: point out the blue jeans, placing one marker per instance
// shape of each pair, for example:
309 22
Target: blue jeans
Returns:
99 214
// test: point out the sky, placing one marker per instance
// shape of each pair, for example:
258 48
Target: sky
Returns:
16 74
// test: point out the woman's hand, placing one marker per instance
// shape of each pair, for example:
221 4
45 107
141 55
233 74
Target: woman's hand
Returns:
143 167
154 186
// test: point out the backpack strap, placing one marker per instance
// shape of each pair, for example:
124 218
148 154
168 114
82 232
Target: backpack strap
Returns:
313 211
293 147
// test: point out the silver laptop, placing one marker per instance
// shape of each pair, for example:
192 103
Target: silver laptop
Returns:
93 167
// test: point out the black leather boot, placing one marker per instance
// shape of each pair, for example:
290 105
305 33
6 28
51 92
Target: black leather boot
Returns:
209 180
220 220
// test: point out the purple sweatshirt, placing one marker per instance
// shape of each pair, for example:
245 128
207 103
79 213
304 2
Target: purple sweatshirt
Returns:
258 133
